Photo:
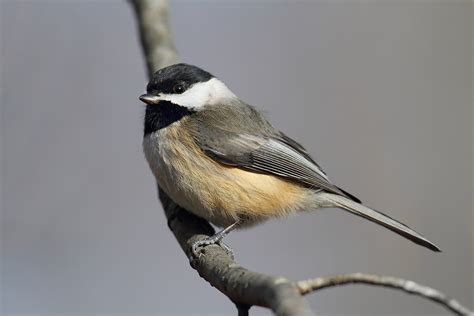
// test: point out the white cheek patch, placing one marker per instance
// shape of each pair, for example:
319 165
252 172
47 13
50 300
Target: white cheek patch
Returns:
200 94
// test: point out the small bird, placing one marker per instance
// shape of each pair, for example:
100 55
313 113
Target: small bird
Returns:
219 158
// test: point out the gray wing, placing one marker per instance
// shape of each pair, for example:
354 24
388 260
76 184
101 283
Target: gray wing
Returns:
249 142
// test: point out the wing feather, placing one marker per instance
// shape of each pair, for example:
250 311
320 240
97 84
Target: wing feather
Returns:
258 147
272 157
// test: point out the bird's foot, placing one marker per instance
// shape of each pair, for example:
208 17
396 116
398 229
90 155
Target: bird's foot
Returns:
213 240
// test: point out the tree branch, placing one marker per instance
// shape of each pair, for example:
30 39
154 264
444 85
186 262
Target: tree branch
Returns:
216 266
245 288
155 34
410 287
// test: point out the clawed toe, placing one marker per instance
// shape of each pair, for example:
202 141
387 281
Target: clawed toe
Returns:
213 240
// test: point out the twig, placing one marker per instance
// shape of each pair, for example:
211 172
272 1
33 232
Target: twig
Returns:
243 309
410 287
155 34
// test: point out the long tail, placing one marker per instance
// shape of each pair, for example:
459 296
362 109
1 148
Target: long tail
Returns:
379 218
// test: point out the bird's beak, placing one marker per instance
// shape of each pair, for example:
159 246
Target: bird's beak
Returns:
149 99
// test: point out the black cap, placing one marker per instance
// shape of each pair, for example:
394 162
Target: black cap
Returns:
176 79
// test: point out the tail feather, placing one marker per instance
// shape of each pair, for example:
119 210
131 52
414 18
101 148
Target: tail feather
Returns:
379 218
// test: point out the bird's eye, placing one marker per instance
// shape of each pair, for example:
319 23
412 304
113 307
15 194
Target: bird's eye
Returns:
179 88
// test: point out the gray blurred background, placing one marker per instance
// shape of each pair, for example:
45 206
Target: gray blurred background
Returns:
379 92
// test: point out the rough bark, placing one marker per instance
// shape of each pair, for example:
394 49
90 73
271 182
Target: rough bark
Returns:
410 287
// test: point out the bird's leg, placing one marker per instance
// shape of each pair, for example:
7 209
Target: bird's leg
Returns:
215 239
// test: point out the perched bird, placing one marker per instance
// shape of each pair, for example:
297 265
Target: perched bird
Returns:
219 158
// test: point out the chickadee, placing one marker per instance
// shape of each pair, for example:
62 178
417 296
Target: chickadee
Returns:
219 158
